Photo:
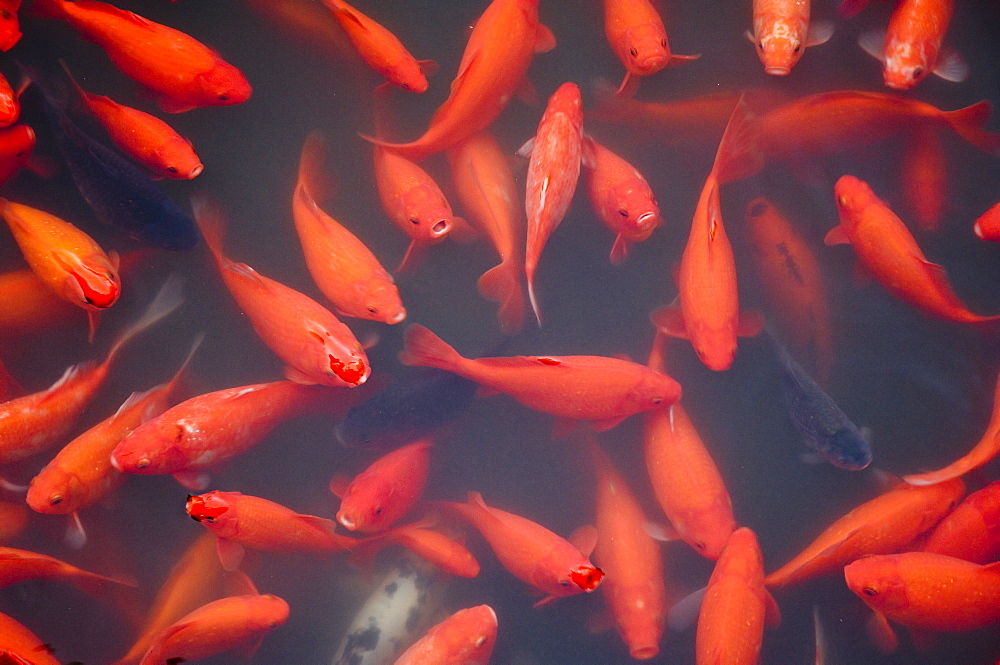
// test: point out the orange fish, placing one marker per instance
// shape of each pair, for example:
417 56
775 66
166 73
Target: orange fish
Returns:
928 592
910 48
500 48
16 144
709 313
553 169
65 258
10 105
182 71
887 249
924 177
972 530
9 386
793 285
30 306
782 31
240 520
21 566
10 25
344 269
982 453
987 226
736 605
886 524
35 422
22 646
530 552
634 589
484 182
602 390
636 34
315 346
386 491
466 637
14 518
621 197
380 49
218 626
143 137
434 546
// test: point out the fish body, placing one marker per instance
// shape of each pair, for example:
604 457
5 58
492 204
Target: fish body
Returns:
18 566
924 177
553 170
971 531
594 388
466 637
782 31
387 490
636 34
30 305
10 105
16 145
433 546
23 646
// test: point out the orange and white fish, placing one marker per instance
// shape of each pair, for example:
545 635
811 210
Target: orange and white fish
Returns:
315 346
182 71
22 646
910 48
972 530
553 169
344 269
636 34
601 390
782 31
496 58
621 197
466 637
888 250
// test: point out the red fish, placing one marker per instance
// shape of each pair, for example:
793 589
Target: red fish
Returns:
386 491
315 346
380 49
924 177
621 197
240 520
500 48
972 530
554 167
22 646
736 605
466 637
143 137
602 390
887 249
910 48
16 144
782 31
485 185
636 34
888 523
10 105
344 269
218 626
21 566
10 25
987 226
182 71
529 551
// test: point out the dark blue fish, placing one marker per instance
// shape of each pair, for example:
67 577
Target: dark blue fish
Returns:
409 408
817 417
119 192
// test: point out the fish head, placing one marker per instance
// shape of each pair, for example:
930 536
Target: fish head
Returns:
91 282
55 492
10 108
849 450
585 577
362 508
381 302
427 215
652 390
475 634
707 529
267 611
716 347
10 28
222 85
906 63
853 196
209 508
644 49
634 209
181 161
876 580
779 44
156 447
408 75
331 360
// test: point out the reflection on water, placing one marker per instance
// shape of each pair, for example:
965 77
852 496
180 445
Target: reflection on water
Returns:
923 386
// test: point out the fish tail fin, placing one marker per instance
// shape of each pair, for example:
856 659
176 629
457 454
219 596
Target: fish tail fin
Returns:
738 155
502 284
169 298
318 184
425 349
530 273
968 123
211 222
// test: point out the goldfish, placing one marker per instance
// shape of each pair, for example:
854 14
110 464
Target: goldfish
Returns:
465 637
621 197
709 313
10 25
887 249
636 34
736 605
793 284
240 520
21 566
504 40
217 626
910 48
782 32
553 169
36 422
888 523
485 186
183 72
14 519
987 225
10 105
30 306
386 491
972 530
344 269
380 49
530 552
16 145
601 390
21 646
634 589
315 346
924 177
429 544
143 137
928 592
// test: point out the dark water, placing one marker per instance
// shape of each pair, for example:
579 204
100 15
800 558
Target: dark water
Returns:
923 386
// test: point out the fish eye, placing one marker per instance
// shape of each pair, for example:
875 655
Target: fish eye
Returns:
563 582
172 169
5 13
55 499
760 45
918 72
371 310
758 209
633 52
480 641
414 220
798 47
700 544
378 511
663 43
405 86
223 97
143 463
870 591
842 200
657 400
623 212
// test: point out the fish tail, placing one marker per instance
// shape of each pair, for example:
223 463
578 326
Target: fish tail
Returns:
166 301
968 123
738 155
502 283
211 222
318 185
530 273
425 349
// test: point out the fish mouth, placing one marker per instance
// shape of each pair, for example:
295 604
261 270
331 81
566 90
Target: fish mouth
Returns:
440 228
397 317
347 521
777 71
647 222
196 171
